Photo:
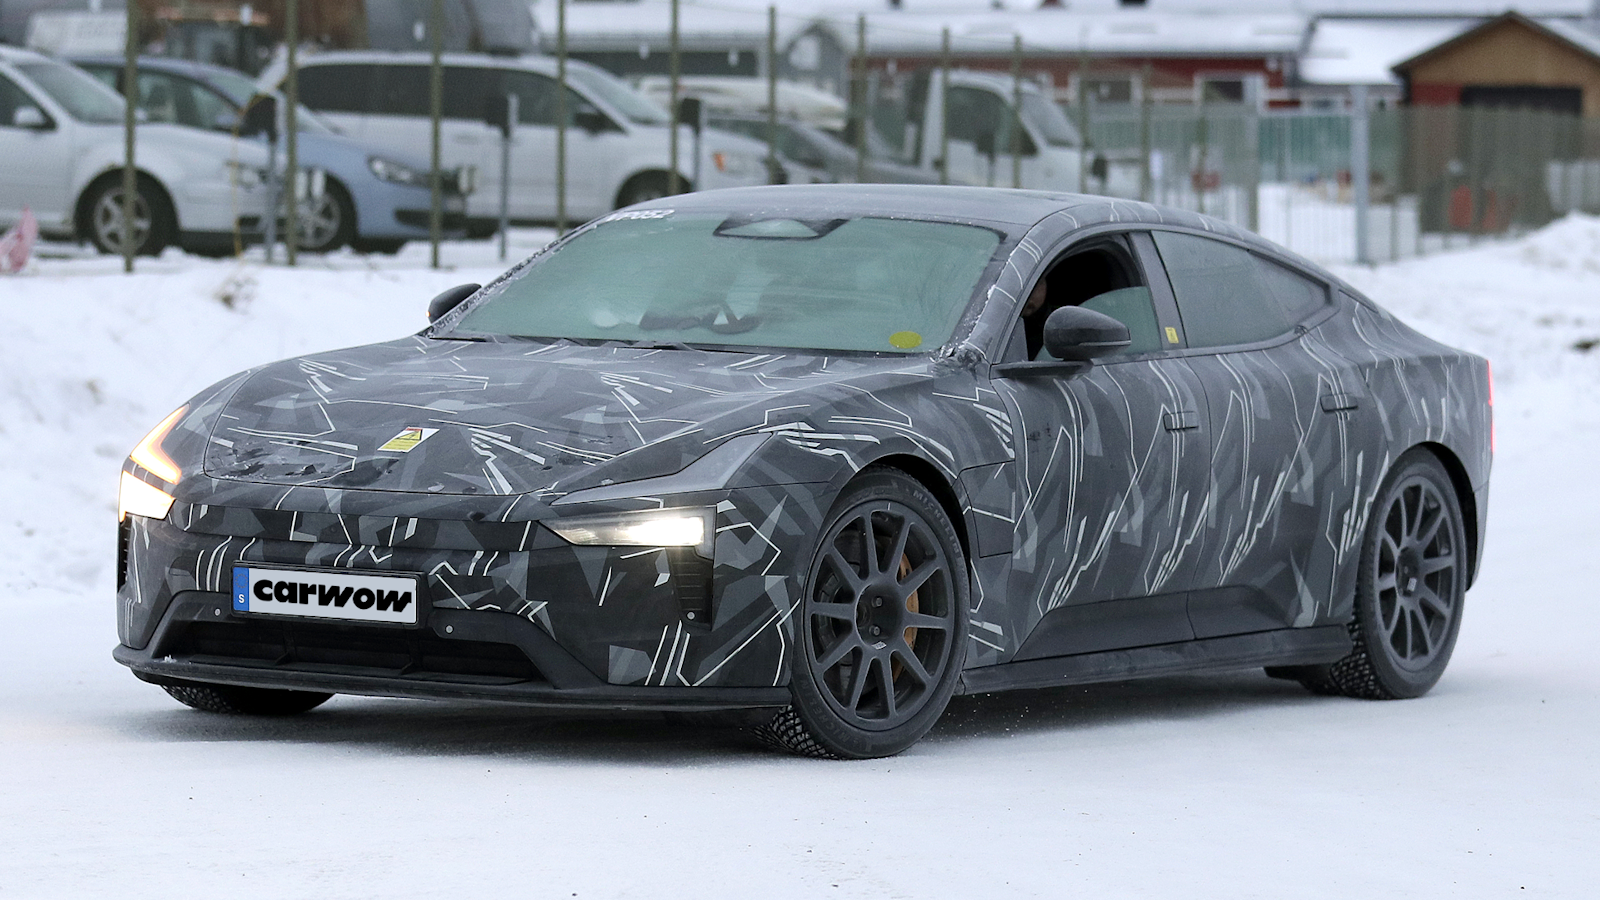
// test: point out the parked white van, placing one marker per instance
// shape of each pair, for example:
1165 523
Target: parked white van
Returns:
617 140
61 155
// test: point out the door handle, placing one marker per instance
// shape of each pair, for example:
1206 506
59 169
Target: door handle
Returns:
1339 402
1181 420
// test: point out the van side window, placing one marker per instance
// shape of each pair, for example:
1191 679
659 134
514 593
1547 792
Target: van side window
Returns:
1221 293
400 90
337 88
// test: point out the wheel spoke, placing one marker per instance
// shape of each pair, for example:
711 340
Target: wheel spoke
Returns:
869 546
1426 533
1426 597
920 621
838 652
858 682
845 611
898 549
886 685
1437 564
913 665
1385 582
918 576
845 570
1421 636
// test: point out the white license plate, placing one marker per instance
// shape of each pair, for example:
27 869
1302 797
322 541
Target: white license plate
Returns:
323 594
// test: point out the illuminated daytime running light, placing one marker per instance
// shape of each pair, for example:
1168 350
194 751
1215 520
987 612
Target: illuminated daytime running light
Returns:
150 455
657 528
134 497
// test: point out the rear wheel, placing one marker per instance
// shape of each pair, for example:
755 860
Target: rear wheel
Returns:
645 186
233 700
1409 592
327 222
882 628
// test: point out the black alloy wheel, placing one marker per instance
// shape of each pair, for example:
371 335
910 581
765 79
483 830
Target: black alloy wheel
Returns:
882 627
1409 592
248 701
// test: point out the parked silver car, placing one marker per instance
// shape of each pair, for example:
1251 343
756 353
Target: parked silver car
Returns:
617 140
372 199
61 155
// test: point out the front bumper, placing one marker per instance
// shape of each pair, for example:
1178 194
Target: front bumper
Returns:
509 610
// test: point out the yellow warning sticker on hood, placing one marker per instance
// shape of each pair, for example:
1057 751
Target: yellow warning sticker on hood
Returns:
407 440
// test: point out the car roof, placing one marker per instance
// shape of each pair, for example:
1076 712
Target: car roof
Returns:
170 64
545 65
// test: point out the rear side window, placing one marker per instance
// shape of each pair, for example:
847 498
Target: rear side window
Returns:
1222 294
400 90
1296 294
337 88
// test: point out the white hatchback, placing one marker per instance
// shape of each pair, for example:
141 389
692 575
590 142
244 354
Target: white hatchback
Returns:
617 140
61 155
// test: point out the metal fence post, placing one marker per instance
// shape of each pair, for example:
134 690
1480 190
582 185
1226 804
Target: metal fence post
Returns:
1083 111
1360 168
130 93
858 94
772 92
506 138
673 71
1015 125
944 106
435 111
561 117
291 206
1146 105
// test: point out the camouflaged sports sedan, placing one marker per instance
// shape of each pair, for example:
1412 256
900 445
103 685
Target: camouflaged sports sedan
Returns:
831 453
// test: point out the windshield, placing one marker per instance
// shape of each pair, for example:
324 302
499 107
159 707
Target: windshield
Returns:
1052 124
619 96
84 98
239 89
864 284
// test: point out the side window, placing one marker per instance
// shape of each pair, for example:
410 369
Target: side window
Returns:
1296 294
400 90
1101 276
107 77
1220 291
158 97
467 92
337 88
11 99
975 115
536 98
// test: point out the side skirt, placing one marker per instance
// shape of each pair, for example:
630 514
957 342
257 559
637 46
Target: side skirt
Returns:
1283 647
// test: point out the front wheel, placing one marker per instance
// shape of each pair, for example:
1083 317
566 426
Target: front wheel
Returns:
234 700
152 219
326 222
1410 590
882 627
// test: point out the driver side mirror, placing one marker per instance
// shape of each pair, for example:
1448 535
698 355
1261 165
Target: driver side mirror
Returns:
30 117
1076 334
449 300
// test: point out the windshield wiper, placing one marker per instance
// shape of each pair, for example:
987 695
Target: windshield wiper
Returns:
657 345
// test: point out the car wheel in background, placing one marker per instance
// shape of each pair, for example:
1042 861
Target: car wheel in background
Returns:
328 222
227 698
645 186
153 221
883 625
1409 591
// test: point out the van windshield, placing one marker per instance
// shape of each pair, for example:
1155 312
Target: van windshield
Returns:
1053 124
772 281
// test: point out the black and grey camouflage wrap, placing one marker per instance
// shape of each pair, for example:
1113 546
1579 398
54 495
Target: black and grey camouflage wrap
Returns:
1068 492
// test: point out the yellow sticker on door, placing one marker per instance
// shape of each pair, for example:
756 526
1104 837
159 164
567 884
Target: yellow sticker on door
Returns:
407 440
1172 335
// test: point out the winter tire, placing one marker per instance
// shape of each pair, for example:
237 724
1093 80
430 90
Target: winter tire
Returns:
232 700
883 625
1409 591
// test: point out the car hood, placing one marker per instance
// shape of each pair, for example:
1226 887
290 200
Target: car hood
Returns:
487 418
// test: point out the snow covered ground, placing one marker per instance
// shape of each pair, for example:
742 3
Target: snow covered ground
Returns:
1234 786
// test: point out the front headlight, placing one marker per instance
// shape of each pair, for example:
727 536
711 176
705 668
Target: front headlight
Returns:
654 528
396 173
738 165
134 497
246 176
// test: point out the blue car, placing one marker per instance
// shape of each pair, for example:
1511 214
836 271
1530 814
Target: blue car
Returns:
373 200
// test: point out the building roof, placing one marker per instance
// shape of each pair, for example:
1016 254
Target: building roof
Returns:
1568 33
1365 51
